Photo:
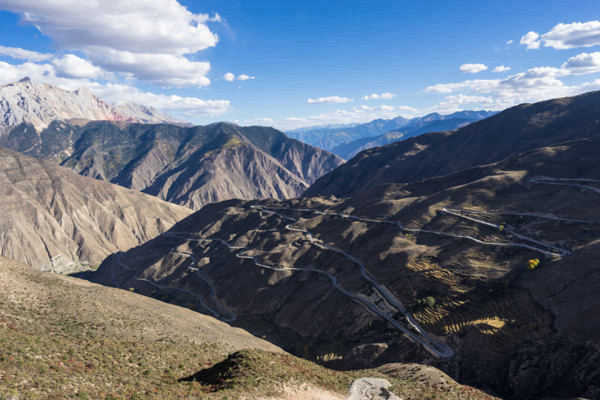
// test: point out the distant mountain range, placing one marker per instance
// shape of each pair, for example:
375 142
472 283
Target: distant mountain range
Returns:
40 104
347 141
510 132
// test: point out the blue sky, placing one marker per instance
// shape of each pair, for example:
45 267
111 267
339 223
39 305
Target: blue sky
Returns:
175 55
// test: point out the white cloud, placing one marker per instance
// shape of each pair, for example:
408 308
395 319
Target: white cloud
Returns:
71 66
479 85
329 100
139 26
565 36
160 69
535 84
188 107
576 34
501 68
141 39
39 73
472 68
460 102
530 39
22 54
182 107
510 42
244 77
229 77
380 96
584 63
358 114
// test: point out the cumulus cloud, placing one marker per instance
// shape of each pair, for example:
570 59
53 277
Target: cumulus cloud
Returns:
530 39
535 84
472 68
509 42
71 66
501 68
584 63
22 54
187 107
141 39
139 26
160 69
576 34
565 36
380 96
229 77
329 100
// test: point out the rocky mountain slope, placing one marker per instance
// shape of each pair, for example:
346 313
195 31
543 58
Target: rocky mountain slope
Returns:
488 273
348 140
510 132
62 337
55 219
190 166
40 104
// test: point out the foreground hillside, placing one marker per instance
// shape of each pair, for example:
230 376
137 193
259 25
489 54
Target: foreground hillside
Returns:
190 166
61 337
517 129
491 272
55 219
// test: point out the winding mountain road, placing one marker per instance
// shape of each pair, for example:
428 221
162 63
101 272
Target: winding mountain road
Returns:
137 277
560 252
433 345
575 182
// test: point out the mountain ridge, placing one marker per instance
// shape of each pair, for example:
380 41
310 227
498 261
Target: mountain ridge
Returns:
517 129
190 166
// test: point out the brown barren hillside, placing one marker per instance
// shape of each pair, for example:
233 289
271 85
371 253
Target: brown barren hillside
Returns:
55 219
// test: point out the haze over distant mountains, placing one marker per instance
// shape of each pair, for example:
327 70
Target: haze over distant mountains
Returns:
346 141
